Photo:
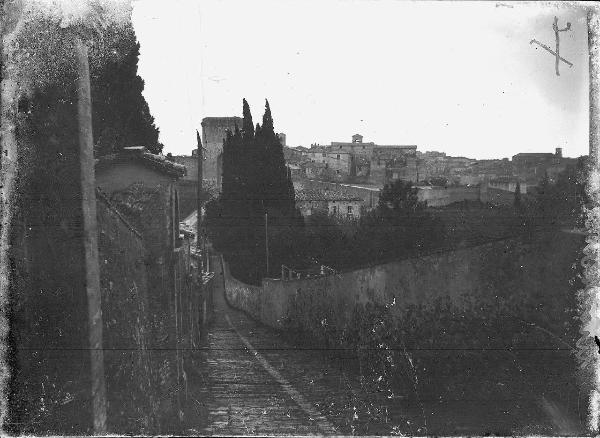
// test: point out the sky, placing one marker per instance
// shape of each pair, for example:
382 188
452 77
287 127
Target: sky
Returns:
460 78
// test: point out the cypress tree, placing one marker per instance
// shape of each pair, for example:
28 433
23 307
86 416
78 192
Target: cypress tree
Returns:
247 125
268 119
277 189
255 180
236 165
259 166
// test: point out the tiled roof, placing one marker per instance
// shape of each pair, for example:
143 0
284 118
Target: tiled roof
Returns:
324 195
534 155
141 154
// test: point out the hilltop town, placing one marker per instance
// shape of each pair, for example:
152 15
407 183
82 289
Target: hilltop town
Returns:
344 178
251 286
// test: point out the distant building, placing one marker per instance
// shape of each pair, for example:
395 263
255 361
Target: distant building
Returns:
365 162
433 164
214 131
332 202
314 169
532 167
188 185
368 194
532 158
135 172
296 154
507 185
190 163
281 137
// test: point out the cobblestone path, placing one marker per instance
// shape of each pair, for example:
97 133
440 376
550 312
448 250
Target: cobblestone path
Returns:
254 383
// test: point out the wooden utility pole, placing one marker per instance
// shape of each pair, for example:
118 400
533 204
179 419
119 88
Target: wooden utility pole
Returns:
90 233
10 25
200 232
267 239
199 195
590 298
557 38
593 22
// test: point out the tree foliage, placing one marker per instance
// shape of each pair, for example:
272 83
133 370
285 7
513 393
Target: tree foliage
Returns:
399 198
120 113
562 202
257 197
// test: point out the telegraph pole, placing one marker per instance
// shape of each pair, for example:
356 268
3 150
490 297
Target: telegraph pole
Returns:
556 31
199 239
199 231
90 233
593 22
557 57
590 299
267 239
11 23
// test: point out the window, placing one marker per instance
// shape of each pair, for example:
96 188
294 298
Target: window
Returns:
363 146
349 209
338 156
324 154
337 171
340 147
335 209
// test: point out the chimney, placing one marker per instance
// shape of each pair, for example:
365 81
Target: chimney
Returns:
558 152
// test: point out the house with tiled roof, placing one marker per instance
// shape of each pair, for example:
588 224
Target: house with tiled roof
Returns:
327 201
143 187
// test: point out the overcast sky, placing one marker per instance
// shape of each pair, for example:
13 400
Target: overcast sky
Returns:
461 78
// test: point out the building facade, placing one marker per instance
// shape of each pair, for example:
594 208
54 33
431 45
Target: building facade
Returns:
327 201
214 132
367 163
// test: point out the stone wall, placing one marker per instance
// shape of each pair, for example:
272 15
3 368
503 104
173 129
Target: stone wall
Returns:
441 196
188 197
191 166
151 315
521 273
241 295
131 378
451 274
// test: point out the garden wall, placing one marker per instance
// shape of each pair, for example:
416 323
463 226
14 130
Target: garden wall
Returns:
440 196
452 274
131 382
506 273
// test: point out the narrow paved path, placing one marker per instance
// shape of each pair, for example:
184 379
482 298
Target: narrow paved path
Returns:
255 383
246 393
